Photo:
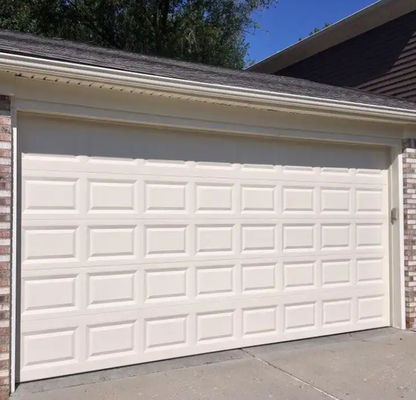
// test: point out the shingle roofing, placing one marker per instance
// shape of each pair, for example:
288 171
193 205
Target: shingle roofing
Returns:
62 50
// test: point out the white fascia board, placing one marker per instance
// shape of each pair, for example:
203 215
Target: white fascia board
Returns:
263 99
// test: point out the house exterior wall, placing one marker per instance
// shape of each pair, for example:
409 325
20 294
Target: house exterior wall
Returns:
50 97
409 206
382 60
5 240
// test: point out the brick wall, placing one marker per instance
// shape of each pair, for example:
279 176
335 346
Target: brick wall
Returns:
5 239
409 188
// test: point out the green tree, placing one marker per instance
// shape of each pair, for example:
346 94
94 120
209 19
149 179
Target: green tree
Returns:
316 30
206 31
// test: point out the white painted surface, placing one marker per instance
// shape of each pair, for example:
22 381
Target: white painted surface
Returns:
144 245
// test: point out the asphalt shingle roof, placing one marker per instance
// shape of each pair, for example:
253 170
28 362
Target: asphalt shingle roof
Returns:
63 50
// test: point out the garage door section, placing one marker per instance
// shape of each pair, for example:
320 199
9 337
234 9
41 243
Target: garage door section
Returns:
140 245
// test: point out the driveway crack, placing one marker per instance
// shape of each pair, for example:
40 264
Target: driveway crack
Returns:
265 362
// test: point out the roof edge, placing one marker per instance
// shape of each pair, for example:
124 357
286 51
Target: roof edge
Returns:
362 21
93 76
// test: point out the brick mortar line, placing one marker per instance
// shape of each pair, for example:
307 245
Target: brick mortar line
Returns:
331 396
409 203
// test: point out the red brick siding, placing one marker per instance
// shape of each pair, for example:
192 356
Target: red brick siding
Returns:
5 238
409 199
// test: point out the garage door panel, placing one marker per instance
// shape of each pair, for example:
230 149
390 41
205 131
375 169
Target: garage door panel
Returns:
165 332
141 251
56 196
190 169
111 288
75 344
111 241
205 236
50 244
112 195
50 194
51 293
89 293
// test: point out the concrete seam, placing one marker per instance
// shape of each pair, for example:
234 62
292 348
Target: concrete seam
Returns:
331 396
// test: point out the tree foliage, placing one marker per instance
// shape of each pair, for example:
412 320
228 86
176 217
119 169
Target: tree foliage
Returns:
206 31
316 30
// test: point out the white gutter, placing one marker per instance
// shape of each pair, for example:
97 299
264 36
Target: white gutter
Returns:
196 90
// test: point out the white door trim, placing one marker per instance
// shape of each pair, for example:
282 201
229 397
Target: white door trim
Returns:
14 246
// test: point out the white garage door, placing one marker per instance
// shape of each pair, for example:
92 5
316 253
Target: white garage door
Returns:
141 245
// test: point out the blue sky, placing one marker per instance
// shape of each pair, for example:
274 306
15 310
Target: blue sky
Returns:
283 24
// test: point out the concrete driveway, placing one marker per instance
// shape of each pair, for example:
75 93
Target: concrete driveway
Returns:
378 364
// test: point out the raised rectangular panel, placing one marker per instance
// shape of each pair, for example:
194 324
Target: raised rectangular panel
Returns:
110 241
165 240
370 270
257 198
298 169
259 320
215 280
214 238
49 194
336 272
298 237
214 165
111 162
166 163
334 171
369 200
54 293
299 275
336 311
258 167
50 347
110 288
335 200
369 235
110 195
335 236
298 199
369 172
110 339
371 307
165 196
165 284
216 325
214 197
48 244
165 332
299 316
258 238
259 277
49 158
